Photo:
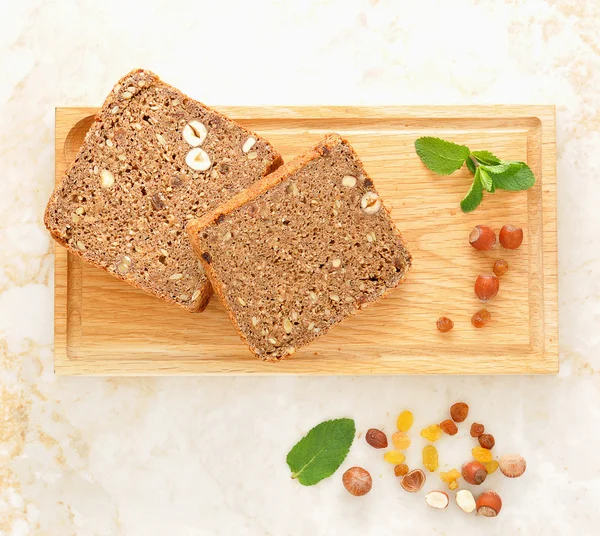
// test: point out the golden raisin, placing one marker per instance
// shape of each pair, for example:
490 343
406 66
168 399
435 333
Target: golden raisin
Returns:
477 429
401 440
401 469
449 427
500 267
430 458
444 324
394 457
491 467
481 318
459 411
405 421
432 433
487 441
450 476
453 485
482 455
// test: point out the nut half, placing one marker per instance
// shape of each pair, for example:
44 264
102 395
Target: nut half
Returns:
194 133
107 178
465 501
413 481
349 181
370 203
198 160
248 144
437 499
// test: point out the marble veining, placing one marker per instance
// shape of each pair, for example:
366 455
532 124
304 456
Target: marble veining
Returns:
206 456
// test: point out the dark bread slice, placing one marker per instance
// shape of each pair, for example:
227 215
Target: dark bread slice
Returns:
301 250
124 203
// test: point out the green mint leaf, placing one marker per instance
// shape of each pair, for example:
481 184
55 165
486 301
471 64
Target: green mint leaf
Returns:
474 195
486 180
486 158
440 156
471 165
320 452
512 176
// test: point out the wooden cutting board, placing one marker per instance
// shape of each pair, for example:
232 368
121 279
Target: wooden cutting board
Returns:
104 326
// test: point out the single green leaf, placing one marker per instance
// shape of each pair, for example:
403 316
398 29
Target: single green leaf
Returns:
320 452
512 176
504 167
486 180
485 157
471 165
440 156
474 195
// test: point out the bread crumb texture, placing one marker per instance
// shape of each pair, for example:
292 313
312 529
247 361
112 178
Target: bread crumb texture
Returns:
306 253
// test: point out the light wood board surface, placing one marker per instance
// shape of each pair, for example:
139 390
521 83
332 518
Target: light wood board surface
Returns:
104 326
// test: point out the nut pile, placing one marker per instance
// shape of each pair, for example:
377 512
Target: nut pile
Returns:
487 285
474 472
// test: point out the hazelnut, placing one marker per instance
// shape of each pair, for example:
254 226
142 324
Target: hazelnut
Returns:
437 499
488 504
500 267
371 203
349 181
376 438
477 429
486 287
459 411
357 481
248 144
194 133
449 427
124 264
107 179
511 237
474 473
465 501
487 441
512 465
198 160
413 481
482 237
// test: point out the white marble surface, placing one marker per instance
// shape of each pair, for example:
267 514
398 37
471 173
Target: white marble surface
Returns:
206 456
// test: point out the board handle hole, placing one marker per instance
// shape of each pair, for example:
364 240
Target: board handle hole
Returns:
75 137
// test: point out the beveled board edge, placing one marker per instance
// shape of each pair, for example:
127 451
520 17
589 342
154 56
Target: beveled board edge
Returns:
542 131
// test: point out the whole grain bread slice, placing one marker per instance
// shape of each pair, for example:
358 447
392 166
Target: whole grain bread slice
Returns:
153 160
301 250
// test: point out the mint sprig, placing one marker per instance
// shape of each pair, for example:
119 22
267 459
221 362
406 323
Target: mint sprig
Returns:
489 172
320 452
